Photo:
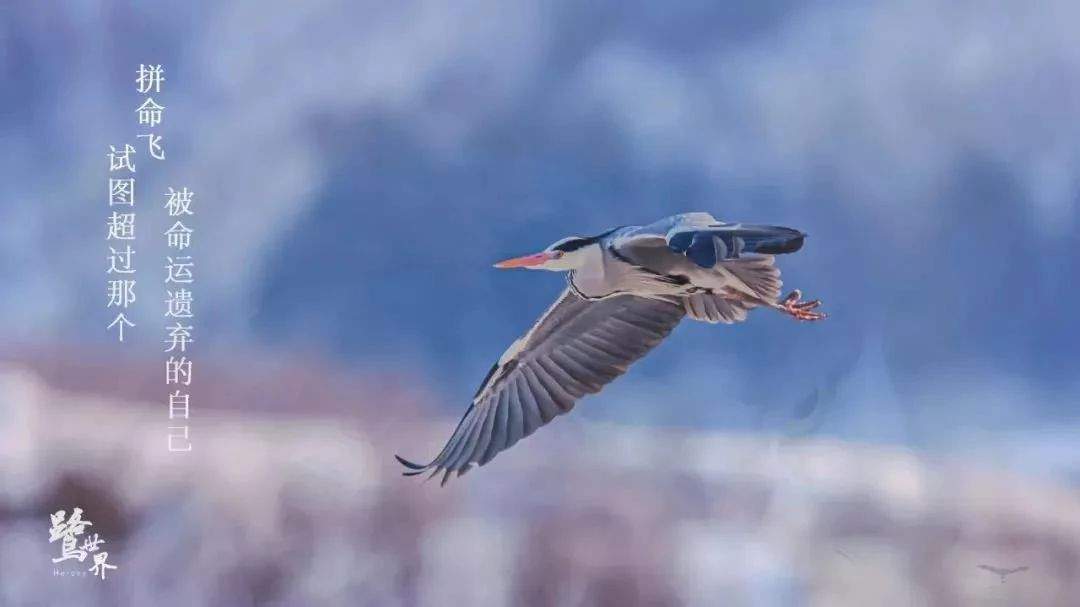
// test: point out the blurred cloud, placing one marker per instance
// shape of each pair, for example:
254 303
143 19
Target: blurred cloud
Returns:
357 163
867 95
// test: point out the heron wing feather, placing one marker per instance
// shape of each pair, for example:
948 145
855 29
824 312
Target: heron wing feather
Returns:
575 348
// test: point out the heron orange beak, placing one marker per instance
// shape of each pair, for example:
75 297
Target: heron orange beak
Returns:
526 261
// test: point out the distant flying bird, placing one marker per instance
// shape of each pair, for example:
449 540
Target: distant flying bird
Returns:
626 290
1003 572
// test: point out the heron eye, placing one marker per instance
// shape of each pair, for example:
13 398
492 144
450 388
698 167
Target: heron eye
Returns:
559 254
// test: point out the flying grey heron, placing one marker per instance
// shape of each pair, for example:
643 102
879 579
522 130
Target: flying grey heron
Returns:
626 290
1003 572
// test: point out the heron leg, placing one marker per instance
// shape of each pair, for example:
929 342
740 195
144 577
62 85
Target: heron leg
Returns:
793 306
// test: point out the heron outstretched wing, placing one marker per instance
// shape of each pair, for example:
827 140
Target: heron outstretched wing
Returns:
576 348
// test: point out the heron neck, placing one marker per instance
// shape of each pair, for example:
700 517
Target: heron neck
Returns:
589 279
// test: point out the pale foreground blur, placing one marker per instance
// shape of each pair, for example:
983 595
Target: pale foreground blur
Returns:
308 509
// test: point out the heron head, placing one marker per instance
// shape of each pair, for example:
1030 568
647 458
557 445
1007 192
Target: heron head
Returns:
562 255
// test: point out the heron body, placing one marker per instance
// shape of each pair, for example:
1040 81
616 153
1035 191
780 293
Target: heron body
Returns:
627 288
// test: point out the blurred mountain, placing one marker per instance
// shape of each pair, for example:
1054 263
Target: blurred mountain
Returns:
306 507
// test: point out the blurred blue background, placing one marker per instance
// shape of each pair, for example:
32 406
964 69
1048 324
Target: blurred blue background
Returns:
360 165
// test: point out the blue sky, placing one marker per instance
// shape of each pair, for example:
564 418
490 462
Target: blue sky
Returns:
361 165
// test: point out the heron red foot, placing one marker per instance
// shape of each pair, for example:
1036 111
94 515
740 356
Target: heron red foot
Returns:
798 309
